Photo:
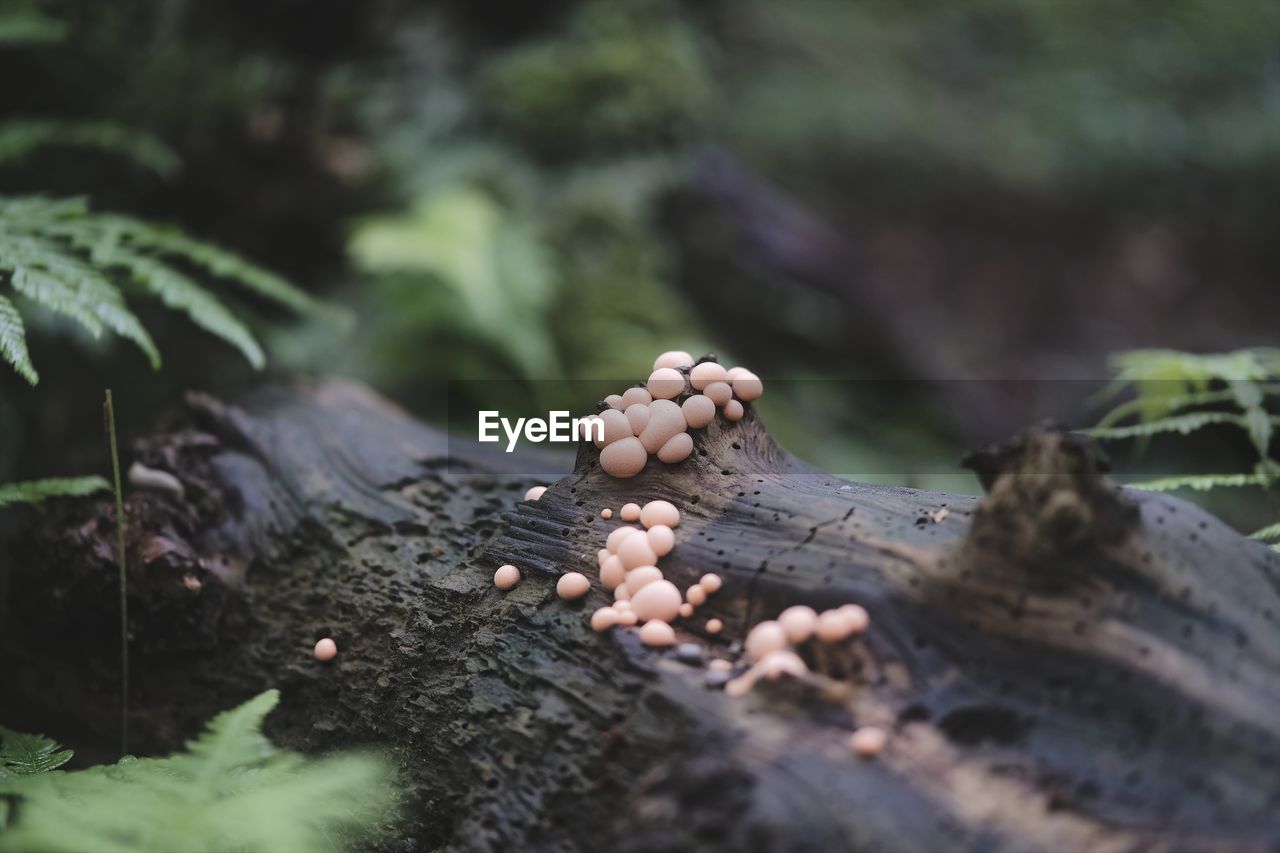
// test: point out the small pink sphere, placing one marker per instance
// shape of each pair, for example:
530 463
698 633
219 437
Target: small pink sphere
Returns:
657 633
699 410
833 626
765 638
782 662
686 610
747 386
665 383
868 741
733 410
636 551
535 493
706 373
695 595
572 585
635 397
658 600
661 539
615 538
506 577
326 650
855 618
714 626
660 512
641 576
719 393
606 513
710 582
672 358
604 619
799 622
612 574
630 512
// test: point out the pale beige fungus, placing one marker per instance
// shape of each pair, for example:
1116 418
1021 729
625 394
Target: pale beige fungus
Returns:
506 577
672 358
657 600
719 393
662 539
572 585
677 448
798 622
660 512
657 633
698 410
636 551
534 493
630 512
326 650
665 383
704 374
624 458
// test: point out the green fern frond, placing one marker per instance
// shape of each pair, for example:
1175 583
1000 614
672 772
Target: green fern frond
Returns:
27 755
21 138
163 240
232 790
1181 424
1172 403
59 254
1268 533
1253 365
1198 482
180 293
13 342
21 27
42 271
35 491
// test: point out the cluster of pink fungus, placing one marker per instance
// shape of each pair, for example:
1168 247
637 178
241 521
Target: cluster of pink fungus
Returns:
642 594
770 645
654 420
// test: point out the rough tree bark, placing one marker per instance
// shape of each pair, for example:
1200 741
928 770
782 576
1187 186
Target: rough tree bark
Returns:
1061 666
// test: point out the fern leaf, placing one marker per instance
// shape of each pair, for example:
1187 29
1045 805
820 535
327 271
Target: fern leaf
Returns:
21 138
63 283
1198 482
1182 424
234 738
219 262
20 27
84 252
26 755
1172 403
57 297
231 791
13 342
36 491
1271 531
177 291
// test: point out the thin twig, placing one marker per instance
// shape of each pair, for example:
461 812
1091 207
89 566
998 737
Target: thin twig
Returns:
109 415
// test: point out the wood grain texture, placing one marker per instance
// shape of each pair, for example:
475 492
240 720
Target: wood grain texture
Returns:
1060 665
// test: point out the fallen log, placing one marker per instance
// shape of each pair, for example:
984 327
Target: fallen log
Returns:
1060 665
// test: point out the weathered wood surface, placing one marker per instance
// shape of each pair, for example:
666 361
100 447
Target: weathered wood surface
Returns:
1061 667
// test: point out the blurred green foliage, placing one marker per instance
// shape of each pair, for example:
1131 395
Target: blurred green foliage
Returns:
1037 96
230 790
488 184
1184 395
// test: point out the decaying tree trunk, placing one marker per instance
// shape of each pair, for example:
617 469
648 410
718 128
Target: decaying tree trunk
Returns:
1061 666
